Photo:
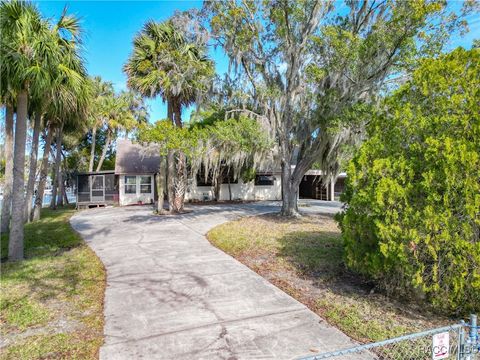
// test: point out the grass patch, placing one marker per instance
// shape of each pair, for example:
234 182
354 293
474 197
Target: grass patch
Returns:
304 257
51 304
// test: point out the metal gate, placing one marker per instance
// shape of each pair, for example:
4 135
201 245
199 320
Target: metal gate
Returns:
459 341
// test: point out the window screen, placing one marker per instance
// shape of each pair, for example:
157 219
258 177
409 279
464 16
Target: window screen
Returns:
130 184
264 180
83 184
145 184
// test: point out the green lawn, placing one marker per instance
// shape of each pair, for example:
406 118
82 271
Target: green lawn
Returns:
51 304
304 257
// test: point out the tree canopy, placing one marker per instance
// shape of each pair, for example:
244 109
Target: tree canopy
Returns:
308 63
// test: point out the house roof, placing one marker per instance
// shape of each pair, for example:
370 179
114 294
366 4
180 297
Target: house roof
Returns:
136 159
101 172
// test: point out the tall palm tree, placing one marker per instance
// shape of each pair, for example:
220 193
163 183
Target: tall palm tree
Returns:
67 77
32 172
7 188
100 89
69 119
118 117
7 96
138 109
22 32
163 63
43 172
32 62
7 100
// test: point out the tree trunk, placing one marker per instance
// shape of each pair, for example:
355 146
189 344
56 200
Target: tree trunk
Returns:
181 166
160 183
170 180
43 176
289 192
60 184
65 197
217 186
229 190
15 245
56 168
180 182
104 151
92 149
7 189
32 174
170 164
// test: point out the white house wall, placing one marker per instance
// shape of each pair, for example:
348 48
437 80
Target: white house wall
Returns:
240 191
131 199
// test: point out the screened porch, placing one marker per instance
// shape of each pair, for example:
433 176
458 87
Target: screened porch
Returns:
97 189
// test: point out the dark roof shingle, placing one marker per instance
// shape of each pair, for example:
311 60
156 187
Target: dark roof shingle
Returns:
136 159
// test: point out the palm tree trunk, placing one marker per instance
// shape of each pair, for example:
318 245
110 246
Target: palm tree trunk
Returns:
171 180
160 180
170 165
43 175
180 183
33 166
64 182
104 151
15 245
61 186
7 189
56 168
92 149
181 175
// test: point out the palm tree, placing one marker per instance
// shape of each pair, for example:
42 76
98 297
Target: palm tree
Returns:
7 96
32 172
138 109
22 31
7 188
118 117
43 173
101 89
33 55
67 82
165 64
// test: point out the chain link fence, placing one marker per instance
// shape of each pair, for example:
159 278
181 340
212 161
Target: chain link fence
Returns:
456 342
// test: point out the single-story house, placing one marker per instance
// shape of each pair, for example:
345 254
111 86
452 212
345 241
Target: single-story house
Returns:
133 182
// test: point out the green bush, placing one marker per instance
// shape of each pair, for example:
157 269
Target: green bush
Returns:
412 220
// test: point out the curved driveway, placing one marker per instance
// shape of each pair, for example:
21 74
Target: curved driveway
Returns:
172 295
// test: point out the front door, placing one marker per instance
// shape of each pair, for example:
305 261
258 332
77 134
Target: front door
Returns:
98 188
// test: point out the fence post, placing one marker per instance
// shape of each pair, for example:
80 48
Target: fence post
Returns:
461 342
473 329
474 343
471 341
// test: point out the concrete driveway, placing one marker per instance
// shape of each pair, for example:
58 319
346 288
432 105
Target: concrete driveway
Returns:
172 295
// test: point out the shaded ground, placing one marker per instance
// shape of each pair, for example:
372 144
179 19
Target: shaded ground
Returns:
51 304
303 257
172 295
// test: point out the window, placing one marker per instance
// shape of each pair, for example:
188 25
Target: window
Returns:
130 184
264 180
145 185
202 180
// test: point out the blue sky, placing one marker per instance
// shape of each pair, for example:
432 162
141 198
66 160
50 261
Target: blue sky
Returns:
109 30
111 25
